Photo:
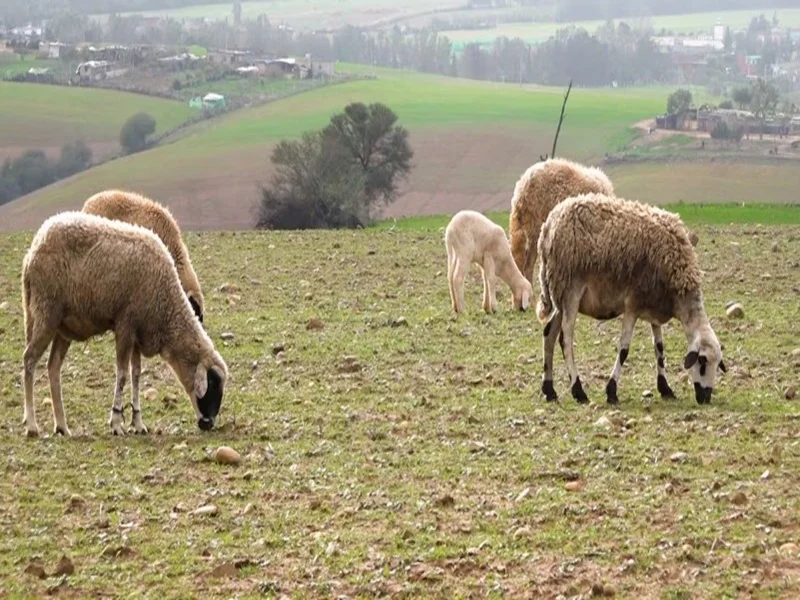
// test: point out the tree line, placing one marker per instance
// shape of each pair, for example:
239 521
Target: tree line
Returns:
580 10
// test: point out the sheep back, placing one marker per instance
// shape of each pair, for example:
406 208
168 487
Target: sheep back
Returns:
631 244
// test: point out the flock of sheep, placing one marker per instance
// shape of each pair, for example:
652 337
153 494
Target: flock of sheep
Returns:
121 265
600 256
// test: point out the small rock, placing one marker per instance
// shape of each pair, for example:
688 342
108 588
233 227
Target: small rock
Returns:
790 548
332 549
314 324
207 510
36 569
573 486
64 567
3 305
118 551
775 247
225 570
679 457
694 238
445 501
76 501
739 499
400 322
227 336
735 311
796 353
523 494
790 393
229 288
765 475
277 348
603 422
522 532
647 394
151 394
227 456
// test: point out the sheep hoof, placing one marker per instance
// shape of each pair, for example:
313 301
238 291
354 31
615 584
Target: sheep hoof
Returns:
611 392
33 432
578 393
664 389
62 431
117 430
549 391
141 430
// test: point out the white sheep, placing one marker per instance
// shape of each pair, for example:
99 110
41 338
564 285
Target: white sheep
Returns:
603 257
138 210
84 275
472 237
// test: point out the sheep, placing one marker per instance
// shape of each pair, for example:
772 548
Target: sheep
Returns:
472 237
537 191
136 209
84 275
604 257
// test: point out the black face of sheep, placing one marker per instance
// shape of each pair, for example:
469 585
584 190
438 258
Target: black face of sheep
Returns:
703 375
210 403
196 308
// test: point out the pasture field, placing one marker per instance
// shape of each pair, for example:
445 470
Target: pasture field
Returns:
325 14
46 117
399 452
472 140
688 23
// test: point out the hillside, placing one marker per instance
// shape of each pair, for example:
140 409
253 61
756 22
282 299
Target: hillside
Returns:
46 117
471 139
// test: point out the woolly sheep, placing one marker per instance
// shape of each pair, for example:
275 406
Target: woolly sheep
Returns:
604 257
136 209
537 191
84 275
472 237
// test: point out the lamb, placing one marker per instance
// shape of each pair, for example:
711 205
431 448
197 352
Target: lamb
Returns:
138 210
472 237
84 275
538 190
604 257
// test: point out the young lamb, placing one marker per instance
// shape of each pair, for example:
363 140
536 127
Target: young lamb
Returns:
540 188
604 257
472 237
138 210
84 275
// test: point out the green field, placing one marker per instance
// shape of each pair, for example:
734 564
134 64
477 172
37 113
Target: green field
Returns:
413 458
323 14
688 23
469 138
46 116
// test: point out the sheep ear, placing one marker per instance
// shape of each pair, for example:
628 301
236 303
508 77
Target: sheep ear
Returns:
196 308
722 366
690 360
200 381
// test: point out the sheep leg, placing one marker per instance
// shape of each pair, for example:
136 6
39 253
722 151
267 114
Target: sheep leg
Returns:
451 267
58 350
628 324
489 295
568 330
552 330
136 370
460 274
38 340
124 351
530 262
658 343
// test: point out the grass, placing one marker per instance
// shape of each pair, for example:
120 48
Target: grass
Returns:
34 116
692 214
417 459
10 64
687 23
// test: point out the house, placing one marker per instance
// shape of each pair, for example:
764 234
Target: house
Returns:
53 50
96 70
279 67
310 68
230 57
212 101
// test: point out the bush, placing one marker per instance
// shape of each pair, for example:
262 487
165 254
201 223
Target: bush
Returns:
134 133
177 85
723 131
726 104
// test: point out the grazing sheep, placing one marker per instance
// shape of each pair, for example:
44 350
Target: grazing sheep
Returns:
136 209
84 275
604 257
472 237
540 188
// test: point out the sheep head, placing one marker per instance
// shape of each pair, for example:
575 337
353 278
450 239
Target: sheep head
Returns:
703 359
204 382
522 295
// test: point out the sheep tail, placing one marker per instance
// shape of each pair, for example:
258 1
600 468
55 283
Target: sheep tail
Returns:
544 307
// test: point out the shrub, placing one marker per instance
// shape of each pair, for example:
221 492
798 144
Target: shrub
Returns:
134 133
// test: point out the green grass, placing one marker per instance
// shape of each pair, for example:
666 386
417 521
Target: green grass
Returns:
688 23
11 65
692 214
426 465
33 116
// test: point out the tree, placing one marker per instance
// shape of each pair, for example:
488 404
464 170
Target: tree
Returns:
134 133
237 12
764 101
375 143
312 188
75 157
679 102
742 96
